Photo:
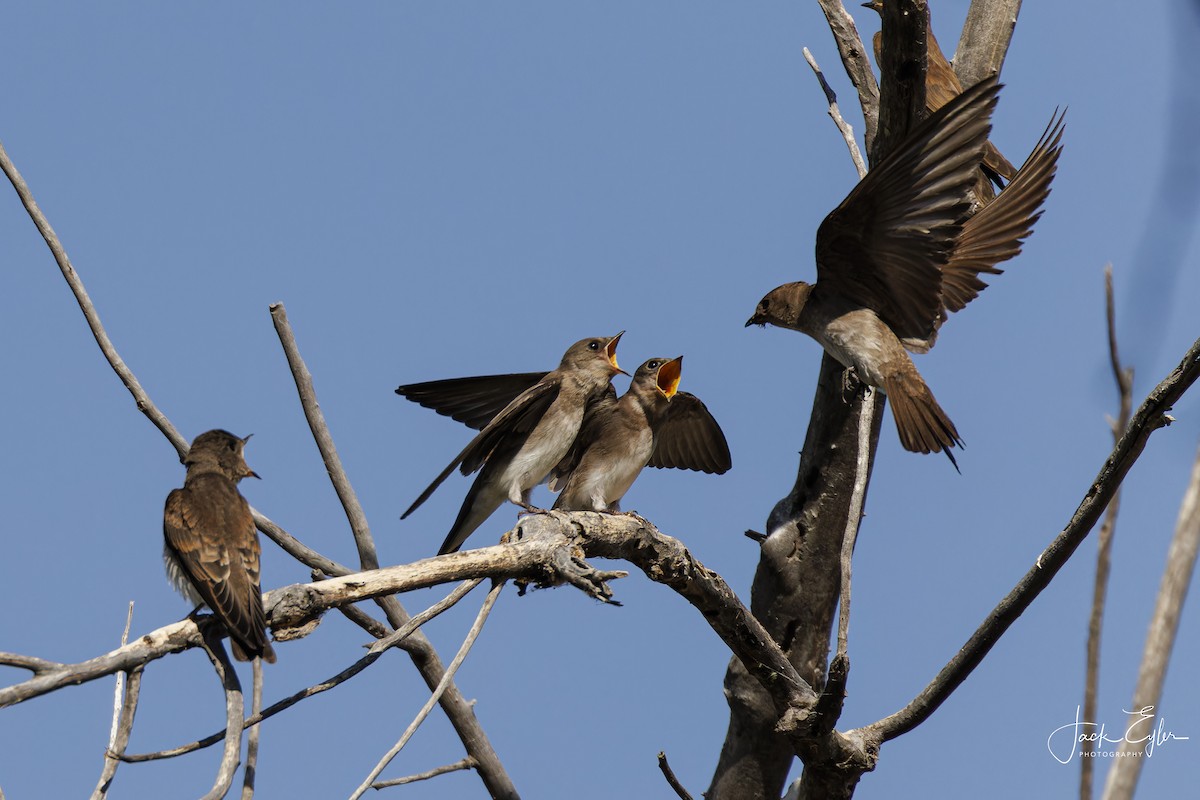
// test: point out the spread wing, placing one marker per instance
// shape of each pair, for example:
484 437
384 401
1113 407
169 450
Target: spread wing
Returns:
471 401
887 242
996 233
518 418
209 529
690 438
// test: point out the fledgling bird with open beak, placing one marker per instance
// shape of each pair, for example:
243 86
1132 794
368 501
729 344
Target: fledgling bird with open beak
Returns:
211 548
521 440
898 254
654 424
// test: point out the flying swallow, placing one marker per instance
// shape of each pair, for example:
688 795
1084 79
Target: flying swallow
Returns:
653 423
895 256
211 548
941 86
522 440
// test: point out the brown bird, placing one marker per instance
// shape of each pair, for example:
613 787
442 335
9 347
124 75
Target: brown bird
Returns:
211 548
523 440
941 86
895 256
653 423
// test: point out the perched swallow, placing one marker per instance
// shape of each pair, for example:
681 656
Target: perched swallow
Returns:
211 548
896 256
653 423
941 86
522 440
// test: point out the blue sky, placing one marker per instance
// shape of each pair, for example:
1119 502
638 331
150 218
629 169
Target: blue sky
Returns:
436 190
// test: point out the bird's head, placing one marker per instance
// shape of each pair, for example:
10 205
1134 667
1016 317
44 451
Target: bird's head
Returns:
662 374
220 451
595 354
781 306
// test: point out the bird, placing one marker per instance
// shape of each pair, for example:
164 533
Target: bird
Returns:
653 424
897 254
941 86
523 439
211 549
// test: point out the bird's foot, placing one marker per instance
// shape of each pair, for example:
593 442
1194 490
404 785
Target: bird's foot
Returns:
852 385
529 509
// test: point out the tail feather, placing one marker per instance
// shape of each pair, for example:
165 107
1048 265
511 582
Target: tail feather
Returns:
920 421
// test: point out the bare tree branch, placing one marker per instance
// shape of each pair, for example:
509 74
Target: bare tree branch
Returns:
459 657
358 666
38 666
234 712
320 431
116 749
457 766
1151 416
836 115
1123 377
252 736
672 781
124 707
1160 640
858 67
295 607
986 36
424 657
126 375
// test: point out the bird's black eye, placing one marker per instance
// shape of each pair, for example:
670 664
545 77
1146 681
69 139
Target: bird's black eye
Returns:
593 345
654 364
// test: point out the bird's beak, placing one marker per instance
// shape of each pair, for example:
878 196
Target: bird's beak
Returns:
668 377
610 350
252 474
755 320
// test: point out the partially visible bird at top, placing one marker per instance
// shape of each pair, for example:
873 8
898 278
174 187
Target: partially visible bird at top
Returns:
941 86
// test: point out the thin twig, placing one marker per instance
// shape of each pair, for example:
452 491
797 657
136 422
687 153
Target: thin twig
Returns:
38 666
672 781
835 113
124 706
1151 416
457 766
252 736
320 431
126 375
472 635
349 672
424 656
854 60
1123 377
1160 641
234 712
862 474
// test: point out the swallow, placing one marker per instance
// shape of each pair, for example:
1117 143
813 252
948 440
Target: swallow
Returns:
211 548
521 441
897 254
941 86
653 424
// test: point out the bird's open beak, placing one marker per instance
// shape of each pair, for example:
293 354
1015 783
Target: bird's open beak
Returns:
668 377
610 350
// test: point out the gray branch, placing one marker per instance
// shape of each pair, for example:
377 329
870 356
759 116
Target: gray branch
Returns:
1160 641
